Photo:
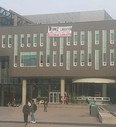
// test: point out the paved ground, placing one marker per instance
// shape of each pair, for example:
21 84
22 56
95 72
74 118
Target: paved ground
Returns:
57 116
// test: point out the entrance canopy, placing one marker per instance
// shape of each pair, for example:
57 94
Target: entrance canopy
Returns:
94 80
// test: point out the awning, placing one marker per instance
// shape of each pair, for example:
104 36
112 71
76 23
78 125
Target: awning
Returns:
94 80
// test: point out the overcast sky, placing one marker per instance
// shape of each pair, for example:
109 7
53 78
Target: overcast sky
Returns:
29 7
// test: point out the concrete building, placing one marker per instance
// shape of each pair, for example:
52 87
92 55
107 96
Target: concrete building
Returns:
57 56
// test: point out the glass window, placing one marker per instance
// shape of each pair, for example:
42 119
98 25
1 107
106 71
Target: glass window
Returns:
67 60
41 59
111 36
3 41
75 38
61 50
104 48
74 58
82 38
68 40
41 39
96 37
54 58
112 57
28 59
96 59
82 58
22 40
28 40
9 41
34 40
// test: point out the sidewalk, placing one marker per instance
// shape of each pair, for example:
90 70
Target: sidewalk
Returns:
57 116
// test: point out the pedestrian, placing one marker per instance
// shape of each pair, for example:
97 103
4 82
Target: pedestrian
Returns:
33 109
45 105
26 112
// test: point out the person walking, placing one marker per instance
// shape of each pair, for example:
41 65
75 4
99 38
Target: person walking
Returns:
33 109
26 112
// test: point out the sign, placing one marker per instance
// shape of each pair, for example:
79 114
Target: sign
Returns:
59 31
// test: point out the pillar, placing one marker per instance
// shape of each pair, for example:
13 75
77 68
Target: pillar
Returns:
62 89
104 90
2 95
24 91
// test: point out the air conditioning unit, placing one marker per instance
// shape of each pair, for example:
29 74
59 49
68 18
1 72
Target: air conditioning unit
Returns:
61 64
112 63
111 41
54 43
34 44
82 63
75 43
22 45
75 64
104 63
54 64
15 65
29 44
47 64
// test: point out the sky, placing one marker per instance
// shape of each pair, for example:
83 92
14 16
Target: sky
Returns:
31 7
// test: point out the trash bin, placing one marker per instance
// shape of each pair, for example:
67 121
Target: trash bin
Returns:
93 109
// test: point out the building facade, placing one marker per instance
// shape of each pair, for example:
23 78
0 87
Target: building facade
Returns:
57 59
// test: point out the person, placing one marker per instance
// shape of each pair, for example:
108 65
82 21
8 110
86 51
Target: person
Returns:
33 109
45 105
26 112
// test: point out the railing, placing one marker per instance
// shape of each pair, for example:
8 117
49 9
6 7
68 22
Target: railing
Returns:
90 99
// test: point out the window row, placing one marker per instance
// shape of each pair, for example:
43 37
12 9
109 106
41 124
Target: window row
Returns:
29 59
78 37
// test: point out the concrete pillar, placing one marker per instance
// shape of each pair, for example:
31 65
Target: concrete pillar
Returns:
62 89
104 90
24 91
2 95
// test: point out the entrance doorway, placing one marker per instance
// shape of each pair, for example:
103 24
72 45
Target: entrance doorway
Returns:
54 97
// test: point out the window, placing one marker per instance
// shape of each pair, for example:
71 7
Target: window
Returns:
28 40
9 41
82 38
75 38
67 60
41 39
82 58
41 59
3 41
96 59
104 48
34 40
55 41
74 58
22 40
96 37
54 58
61 50
28 59
68 40
111 36
112 57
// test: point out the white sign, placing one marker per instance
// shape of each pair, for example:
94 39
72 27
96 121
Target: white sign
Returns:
58 31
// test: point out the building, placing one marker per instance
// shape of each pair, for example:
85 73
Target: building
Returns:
57 55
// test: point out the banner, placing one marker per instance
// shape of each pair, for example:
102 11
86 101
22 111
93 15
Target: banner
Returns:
58 31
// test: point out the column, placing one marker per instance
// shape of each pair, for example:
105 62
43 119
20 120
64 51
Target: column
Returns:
2 95
24 91
62 90
104 90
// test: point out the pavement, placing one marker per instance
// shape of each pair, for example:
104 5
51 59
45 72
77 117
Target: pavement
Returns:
56 116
